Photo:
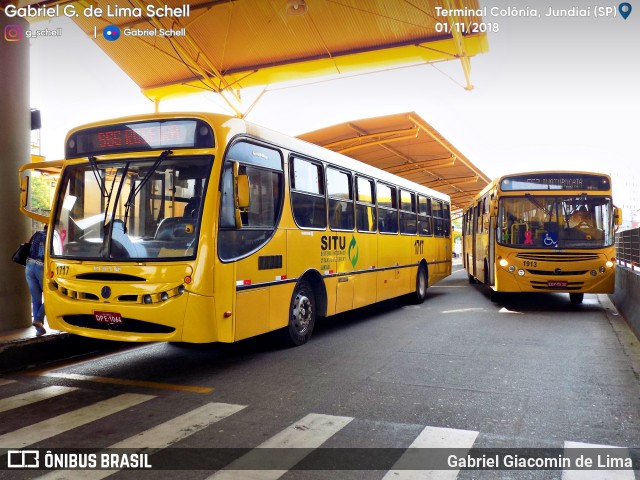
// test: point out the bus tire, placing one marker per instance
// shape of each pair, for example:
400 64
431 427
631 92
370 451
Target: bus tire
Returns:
422 284
302 315
576 297
472 279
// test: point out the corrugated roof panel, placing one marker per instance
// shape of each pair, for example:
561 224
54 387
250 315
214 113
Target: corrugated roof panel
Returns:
428 159
251 42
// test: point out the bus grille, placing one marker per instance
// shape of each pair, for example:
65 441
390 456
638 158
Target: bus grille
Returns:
554 273
128 325
558 256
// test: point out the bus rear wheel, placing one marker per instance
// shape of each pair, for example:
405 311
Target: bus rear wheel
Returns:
576 297
302 315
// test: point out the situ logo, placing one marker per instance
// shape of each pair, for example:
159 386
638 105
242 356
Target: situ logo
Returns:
13 33
23 459
338 243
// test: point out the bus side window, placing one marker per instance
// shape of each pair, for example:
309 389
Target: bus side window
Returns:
424 216
447 219
340 193
387 208
408 223
438 214
308 194
366 219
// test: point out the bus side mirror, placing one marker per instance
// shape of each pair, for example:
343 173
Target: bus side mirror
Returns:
617 216
35 194
24 192
241 196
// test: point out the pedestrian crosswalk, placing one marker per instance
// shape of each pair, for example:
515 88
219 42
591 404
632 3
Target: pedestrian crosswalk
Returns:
297 441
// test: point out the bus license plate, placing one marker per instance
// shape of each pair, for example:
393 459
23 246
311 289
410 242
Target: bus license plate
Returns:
557 284
108 317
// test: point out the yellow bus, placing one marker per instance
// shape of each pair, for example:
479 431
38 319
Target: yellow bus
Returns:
206 228
542 232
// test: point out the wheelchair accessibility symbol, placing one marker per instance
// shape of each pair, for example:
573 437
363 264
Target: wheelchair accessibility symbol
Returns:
550 239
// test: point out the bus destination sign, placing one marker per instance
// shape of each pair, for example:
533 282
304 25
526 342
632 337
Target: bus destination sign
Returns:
555 181
140 136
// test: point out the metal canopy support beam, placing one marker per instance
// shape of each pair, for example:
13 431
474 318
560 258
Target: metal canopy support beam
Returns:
372 139
205 76
470 166
437 179
458 39
432 162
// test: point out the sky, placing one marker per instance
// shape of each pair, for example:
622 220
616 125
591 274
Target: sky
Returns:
551 93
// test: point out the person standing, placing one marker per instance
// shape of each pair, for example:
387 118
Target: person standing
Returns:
34 272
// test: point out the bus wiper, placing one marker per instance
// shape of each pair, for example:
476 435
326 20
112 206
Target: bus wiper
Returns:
96 173
535 201
133 192
103 185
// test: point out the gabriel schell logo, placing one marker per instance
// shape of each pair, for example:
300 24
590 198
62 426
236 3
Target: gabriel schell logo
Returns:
23 459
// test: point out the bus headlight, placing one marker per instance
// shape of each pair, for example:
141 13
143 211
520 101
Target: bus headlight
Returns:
602 269
593 273
503 262
147 299
609 264
164 296
521 272
512 268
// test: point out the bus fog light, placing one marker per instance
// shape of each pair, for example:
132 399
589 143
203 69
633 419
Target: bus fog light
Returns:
512 268
609 264
164 296
602 269
593 273
503 262
147 299
521 272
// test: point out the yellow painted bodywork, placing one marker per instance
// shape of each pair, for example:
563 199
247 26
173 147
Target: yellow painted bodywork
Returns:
583 283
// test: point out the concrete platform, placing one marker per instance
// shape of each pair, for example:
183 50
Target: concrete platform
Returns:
22 349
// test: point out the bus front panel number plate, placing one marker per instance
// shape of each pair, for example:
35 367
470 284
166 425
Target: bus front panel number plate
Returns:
108 317
557 284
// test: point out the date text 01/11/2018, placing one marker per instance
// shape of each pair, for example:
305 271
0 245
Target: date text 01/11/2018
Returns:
467 28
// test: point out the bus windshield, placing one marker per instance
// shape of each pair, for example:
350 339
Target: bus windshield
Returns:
555 222
131 209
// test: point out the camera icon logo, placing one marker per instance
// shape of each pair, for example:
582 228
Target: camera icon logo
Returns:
13 33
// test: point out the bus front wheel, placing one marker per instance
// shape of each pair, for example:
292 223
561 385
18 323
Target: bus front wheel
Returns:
302 315
421 285
576 297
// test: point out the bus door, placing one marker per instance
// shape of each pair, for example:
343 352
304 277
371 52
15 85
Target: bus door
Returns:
492 250
474 239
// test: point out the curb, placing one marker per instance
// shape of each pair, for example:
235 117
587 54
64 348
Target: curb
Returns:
27 353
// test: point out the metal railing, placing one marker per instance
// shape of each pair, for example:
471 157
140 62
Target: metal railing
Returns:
628 247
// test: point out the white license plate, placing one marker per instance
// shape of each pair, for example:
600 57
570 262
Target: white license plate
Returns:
108 317
557 284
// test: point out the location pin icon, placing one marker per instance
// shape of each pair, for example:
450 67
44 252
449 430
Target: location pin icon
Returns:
624 9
